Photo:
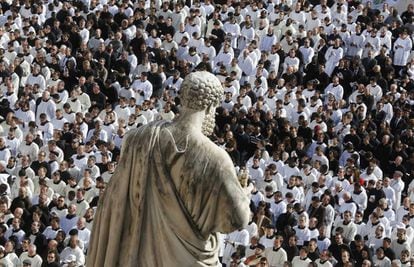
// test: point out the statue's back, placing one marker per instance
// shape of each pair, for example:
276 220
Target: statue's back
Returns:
165 203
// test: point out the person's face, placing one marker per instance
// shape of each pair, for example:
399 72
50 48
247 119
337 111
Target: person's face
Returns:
89 213
313 245
338 239
302 222
404 257
269 231
25 245
380 253
51 257
347 216
378 185
292 241
345 257
379 231
61 202
278 242
16 224
324 255
80 224
35 227
302 253
54 224
3 208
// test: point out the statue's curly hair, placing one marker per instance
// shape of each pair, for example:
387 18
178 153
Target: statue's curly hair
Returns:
200 90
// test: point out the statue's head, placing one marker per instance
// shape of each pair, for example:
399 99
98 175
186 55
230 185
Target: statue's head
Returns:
200 91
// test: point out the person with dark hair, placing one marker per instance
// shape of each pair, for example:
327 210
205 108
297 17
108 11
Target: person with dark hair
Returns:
286 219
217 36
257 257
302 259
359 249
38 238
276 255
52 259
388 251
338 246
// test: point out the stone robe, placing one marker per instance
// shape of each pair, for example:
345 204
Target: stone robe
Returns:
164 204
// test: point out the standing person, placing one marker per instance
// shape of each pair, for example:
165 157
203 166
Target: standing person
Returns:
217 36
232 241
398 185
333 55
402 50
276 255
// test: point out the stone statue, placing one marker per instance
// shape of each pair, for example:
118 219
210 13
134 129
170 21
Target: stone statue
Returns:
172 192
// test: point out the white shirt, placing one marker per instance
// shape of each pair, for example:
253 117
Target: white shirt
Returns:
36 260
298 262
276 257
234 239
336 90
77 251
302 234
144 87
48 107
307 53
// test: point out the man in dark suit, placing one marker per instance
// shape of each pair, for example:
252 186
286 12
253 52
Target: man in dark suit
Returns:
286 219
39 238
316 210
398 123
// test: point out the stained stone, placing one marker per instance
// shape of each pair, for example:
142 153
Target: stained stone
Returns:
173 190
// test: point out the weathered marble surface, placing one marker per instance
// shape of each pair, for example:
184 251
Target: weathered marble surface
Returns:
172 191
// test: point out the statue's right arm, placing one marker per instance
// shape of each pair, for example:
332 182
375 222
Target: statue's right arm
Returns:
235 203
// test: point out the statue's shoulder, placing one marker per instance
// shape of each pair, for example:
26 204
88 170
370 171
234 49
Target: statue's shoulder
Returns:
150 127
211 150
144 134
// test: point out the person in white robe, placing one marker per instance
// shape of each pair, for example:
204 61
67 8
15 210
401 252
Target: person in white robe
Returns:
355 43
332 56
402 49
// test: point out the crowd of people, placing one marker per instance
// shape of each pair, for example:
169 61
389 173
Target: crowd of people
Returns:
317 117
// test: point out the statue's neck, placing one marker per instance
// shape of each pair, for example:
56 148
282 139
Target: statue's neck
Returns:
190 120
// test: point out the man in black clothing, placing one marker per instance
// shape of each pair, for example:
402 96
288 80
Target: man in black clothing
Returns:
291 248
97 98
217 36
156 80
286 219
316 210
374 194
122 65
233 153
39 239
357 246
42 205
41 162
337 247
386 246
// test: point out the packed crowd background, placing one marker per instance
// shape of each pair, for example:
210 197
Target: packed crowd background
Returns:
317 116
